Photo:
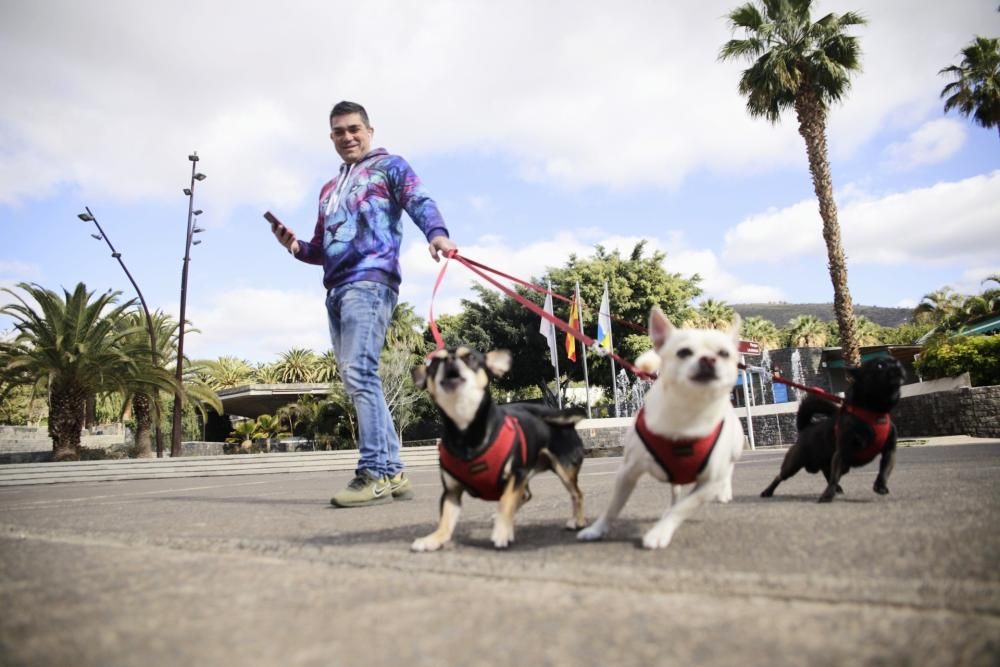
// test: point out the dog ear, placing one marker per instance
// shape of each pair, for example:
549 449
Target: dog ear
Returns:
660 328
734 327
419 375
498 362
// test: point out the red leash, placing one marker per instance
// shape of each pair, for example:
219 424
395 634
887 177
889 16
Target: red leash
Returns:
480 270
833 398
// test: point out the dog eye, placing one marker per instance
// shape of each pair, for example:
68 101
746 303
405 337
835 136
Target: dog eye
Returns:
684 352
724 354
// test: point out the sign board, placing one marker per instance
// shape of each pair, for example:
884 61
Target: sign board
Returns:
749 347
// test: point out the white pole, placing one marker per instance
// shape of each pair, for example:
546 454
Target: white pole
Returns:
614 378
555 363
586 376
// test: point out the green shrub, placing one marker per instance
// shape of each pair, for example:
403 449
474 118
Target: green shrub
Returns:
979 355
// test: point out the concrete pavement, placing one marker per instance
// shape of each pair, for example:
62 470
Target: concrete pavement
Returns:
259 570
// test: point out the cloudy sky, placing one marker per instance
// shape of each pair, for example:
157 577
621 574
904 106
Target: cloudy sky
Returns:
542 129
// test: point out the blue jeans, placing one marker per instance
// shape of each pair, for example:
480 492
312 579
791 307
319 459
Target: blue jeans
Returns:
359 318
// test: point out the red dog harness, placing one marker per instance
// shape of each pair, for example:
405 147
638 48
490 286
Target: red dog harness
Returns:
682 460
881 426
483 475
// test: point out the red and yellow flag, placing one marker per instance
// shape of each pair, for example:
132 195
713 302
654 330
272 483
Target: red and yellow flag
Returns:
574 322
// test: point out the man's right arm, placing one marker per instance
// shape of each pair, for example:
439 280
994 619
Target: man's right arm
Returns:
310 252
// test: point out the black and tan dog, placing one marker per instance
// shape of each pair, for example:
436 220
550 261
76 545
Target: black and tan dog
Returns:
854 433
492 451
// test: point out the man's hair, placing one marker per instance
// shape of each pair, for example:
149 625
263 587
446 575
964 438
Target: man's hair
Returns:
345 107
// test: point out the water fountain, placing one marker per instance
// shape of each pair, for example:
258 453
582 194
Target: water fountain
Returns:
798 375
632 394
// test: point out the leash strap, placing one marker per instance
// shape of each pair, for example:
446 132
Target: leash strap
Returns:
438 341
480 270
833 398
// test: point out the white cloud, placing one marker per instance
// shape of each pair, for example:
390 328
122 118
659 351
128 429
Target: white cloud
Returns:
932 142
256 324
971 280
946 223
113 95
19 271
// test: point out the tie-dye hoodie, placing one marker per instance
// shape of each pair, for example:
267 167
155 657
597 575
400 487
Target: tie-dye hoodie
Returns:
358 230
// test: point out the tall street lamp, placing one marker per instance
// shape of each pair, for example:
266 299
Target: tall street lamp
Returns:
175 439
102 236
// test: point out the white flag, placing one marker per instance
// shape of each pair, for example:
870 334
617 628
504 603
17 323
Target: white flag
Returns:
549 331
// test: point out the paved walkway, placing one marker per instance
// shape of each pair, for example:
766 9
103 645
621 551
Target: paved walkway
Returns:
260 570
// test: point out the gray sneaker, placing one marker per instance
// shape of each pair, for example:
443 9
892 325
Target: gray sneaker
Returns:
364 490
401 489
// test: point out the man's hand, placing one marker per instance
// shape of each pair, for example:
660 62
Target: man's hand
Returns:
285 236
440 245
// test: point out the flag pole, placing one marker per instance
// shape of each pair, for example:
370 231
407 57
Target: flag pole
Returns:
586 378
553 351
614 375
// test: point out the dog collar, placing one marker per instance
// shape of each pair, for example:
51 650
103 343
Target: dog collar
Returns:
483 475
881 425
682 460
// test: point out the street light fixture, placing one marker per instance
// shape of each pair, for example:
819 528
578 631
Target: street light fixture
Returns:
102 236
175 436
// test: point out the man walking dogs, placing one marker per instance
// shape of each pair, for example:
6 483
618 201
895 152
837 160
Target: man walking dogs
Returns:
356 240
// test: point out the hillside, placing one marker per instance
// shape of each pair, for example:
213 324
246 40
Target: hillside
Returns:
781 313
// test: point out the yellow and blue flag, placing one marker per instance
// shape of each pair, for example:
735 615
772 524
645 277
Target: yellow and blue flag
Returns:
604 321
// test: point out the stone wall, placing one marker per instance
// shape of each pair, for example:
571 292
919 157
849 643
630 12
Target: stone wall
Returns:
973 411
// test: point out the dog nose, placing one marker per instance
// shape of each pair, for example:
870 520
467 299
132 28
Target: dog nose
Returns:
706 363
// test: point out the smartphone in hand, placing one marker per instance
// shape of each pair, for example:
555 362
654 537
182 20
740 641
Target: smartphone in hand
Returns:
275 223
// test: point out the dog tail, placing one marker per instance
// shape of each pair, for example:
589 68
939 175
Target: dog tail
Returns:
568 417
649 361
813 405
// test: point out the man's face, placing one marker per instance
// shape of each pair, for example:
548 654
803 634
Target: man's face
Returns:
351 137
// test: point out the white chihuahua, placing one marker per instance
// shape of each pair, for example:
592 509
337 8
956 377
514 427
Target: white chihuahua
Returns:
688 432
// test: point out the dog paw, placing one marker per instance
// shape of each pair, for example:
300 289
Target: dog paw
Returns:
881 489
596 531
656 539
825 498
767 493
573 525
429 543
502 538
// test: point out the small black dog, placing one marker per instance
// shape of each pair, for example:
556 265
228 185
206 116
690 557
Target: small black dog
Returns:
492 451
854 434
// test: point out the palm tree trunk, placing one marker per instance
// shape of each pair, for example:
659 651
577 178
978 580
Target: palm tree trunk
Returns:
67 405
812 127
143 423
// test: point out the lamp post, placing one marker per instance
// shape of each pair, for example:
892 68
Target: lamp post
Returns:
102 236
175 439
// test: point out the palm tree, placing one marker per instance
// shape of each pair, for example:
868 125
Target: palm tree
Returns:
712 314
976 89
75 346
226 373
243 435
806 66
761 331
806 331
268 428
264 373
326 369
938 306
297 365
405 329
869 333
